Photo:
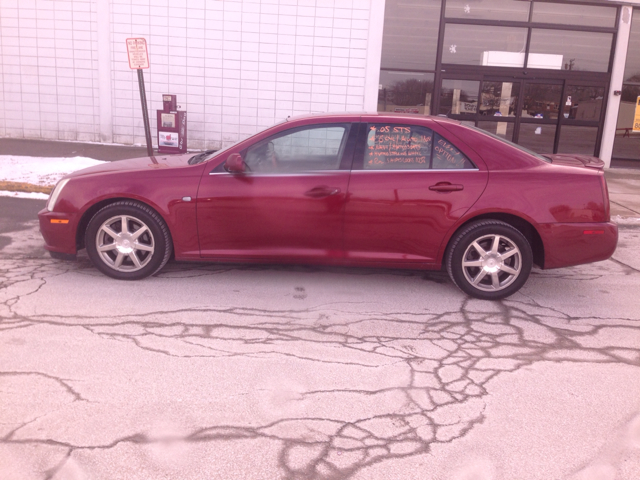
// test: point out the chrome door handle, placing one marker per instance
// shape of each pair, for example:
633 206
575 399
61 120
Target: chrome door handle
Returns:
322 191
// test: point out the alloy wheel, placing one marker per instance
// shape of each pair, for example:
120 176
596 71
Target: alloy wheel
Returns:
125 243
492 262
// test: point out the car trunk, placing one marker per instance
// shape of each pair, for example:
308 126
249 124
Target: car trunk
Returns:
576 160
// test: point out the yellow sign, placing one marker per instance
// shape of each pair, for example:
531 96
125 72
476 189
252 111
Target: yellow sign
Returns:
636 118
137 50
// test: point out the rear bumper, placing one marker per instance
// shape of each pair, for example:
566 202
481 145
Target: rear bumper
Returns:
58 231
567 244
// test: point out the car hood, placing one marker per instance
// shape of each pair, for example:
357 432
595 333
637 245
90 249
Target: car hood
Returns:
575 160
144 163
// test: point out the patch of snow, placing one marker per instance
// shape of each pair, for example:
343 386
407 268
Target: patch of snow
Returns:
620 220
33 195
44 171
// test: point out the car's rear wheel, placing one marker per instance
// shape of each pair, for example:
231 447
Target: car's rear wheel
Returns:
128 241
489 259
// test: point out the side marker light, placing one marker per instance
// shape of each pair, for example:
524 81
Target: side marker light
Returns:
58 220
593 232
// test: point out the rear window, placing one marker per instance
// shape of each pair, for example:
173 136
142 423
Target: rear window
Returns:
514 145
447 156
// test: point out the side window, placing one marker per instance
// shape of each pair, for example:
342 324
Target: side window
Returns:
397 147
446 156
316 147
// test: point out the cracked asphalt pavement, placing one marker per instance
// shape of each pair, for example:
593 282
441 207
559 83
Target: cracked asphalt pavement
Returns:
268 372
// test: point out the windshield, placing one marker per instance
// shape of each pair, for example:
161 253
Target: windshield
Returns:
207 155
515 145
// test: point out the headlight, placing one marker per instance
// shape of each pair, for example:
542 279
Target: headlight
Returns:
53 198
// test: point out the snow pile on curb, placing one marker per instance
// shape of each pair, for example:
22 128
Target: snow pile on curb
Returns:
619 220
41 171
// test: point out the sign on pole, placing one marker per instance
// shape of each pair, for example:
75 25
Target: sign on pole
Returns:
139 59
636 118
137 51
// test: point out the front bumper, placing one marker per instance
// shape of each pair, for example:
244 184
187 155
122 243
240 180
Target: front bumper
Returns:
568 244
58 231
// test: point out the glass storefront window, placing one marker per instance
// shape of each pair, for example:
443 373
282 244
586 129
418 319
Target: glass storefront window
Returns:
511 68
582 103
501 129
539 138
627 142
541 100
577 139
569 50
459 97
410 38
632 67
405 92
510 10
484 45
499 99
586 15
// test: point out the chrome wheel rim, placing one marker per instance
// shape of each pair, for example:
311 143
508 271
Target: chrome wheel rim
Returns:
125 243
491 263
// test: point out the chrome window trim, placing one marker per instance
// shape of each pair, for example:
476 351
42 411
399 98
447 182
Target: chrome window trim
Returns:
277 174
421 170
321 172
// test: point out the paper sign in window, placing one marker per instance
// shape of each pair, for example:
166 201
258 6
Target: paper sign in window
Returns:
396 147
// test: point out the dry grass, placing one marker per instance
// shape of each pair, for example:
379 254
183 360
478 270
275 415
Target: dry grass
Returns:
24 187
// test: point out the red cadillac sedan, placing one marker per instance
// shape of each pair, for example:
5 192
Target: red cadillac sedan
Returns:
378 190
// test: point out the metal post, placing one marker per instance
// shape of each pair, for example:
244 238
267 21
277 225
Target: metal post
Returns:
145 113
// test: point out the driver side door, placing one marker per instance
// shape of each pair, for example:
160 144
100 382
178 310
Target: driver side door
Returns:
287 206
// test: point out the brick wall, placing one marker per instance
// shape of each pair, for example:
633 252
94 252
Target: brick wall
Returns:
236 66
48 68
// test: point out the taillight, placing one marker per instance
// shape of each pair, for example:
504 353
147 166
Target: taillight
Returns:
605 196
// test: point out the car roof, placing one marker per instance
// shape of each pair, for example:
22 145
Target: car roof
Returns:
382 115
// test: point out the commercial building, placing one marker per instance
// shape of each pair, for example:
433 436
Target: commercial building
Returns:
552 76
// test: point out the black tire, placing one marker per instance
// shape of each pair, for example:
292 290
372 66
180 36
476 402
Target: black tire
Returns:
141 249
491 275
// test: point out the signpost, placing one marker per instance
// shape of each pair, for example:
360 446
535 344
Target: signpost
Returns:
139 59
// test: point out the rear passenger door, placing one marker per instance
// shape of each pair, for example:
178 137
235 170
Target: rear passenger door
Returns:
409 185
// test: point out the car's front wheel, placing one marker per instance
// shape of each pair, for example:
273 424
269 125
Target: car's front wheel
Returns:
489 259
127 240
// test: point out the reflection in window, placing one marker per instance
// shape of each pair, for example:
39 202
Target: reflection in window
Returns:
484 45
447 156
405 92
499 99
410 35
587 15
541 100
501 129
398 147
578 140
510 10
539 138
632 67
583 103
459 97
308 149
567 50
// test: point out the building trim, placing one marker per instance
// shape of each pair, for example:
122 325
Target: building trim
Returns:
374 55
617 77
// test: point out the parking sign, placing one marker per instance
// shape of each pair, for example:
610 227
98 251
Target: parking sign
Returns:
137 51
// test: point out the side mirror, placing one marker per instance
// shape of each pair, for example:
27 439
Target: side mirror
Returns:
235 164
